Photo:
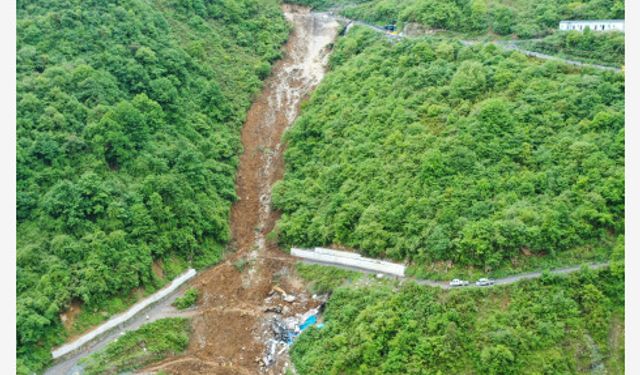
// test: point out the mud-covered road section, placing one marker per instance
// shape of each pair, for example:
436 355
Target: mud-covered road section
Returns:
231 325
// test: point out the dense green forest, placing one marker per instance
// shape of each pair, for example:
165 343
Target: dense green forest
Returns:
150 343
428 151
554 325
524 18
599 48
127 144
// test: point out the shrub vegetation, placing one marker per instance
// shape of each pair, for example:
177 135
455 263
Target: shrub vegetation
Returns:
187 300
128 118
595 47
523 18
323 279
135 349
554 325
429 151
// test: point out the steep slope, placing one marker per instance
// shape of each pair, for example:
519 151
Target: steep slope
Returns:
555 325
128 133
599 48
523 18
440 154
232 325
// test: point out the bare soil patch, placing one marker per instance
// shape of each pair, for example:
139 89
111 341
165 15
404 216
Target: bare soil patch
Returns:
68 317
232 323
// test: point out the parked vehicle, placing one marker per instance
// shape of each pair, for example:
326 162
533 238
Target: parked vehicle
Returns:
484 282
458 282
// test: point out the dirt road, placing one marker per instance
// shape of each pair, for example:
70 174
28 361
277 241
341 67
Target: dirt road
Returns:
231 327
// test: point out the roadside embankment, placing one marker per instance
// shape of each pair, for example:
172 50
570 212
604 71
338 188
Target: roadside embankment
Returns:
67 355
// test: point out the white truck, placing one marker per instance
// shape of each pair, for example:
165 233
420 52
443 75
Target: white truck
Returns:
458 282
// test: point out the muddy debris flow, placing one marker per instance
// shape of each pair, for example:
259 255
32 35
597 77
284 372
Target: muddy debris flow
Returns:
256 288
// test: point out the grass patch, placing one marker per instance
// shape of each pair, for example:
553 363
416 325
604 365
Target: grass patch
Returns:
187 300
174 266
591 47
152 342
91 316
615 362
323 279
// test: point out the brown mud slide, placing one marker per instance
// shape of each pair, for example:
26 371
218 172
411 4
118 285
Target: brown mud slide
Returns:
232 325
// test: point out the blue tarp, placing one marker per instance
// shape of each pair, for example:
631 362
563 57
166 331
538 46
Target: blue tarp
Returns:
306 324
309 322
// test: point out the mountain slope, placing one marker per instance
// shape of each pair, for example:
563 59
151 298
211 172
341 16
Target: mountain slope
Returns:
555 325
523 18
128 141
429 151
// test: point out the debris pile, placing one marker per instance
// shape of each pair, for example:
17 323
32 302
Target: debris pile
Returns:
284 330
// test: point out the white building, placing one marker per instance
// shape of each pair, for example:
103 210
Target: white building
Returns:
594 25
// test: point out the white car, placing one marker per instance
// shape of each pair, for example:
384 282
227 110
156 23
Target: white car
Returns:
484 282
458 282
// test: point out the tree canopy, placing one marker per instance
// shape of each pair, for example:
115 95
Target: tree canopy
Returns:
595 47
555 325
127 144
523 18
428 151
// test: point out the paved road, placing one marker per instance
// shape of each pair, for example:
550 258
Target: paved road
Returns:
445 285
512 46
508 45
163 309
69 365
518 277
350 23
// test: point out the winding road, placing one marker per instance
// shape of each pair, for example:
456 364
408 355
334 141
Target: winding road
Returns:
507 45
69 365
227 294
515 278
445 285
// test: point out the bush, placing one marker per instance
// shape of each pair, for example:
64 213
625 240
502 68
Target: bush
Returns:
127 145
469 80
503 330
504 20
150 343
187 300
467 160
